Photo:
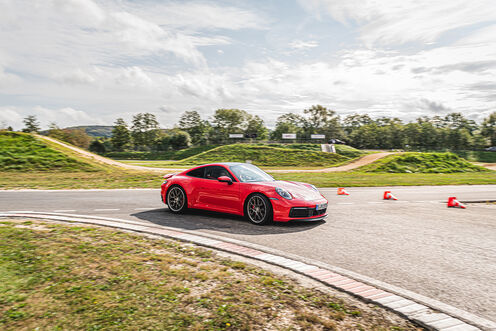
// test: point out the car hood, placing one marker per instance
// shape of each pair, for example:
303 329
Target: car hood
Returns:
298 190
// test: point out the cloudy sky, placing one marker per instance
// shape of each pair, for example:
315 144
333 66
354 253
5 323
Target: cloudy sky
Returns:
83 62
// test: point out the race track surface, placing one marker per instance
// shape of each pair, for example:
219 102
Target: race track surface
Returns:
416 243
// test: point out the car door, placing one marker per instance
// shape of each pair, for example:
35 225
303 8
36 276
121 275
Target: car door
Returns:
217 195
193 189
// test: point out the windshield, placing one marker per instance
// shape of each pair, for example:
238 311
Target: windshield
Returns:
250 173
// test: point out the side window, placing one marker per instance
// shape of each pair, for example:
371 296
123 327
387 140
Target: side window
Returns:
214 172
198 173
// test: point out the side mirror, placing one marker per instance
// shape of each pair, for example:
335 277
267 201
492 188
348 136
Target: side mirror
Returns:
225 179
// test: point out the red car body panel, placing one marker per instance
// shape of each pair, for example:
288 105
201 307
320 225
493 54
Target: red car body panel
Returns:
211 194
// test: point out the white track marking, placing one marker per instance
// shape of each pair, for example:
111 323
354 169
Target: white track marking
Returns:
345 203
105 209
144 208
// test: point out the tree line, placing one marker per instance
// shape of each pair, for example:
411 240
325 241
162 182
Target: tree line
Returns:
452 131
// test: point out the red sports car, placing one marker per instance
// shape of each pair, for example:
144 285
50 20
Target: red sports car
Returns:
242 189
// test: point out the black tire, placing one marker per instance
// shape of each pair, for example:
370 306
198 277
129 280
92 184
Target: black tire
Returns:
176 199
258 209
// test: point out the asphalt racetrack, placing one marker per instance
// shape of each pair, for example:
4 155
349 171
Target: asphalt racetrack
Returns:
416 243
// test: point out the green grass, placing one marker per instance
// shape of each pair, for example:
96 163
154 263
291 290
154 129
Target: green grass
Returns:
124 281
344 150
45 180
337 179
24 152
168 155
266 156
477 156
413 162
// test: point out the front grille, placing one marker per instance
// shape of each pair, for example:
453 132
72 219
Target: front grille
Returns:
305 212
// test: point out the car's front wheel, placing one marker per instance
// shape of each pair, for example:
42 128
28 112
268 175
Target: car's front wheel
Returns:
258 209
176 199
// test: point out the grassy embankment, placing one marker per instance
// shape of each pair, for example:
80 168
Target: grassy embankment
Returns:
404 169
123 281
185 153
27 162
301 156
168 155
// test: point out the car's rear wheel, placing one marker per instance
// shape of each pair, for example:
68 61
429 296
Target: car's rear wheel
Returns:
176 199
258 209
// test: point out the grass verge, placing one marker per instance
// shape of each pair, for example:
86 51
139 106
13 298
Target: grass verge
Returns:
135 179
333 179
79 180
123 281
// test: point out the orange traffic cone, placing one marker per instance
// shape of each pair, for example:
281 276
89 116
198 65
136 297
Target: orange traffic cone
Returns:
389 196
452 202
342 191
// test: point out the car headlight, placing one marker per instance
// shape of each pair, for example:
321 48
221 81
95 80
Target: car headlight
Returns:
313 187
283 193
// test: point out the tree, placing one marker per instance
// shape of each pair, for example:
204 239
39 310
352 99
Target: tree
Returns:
489 128
353 122
179 140
288 123
121 137
197 128
366 136
226 121
145 130
456 121
32 124
98 147
255 125
76 137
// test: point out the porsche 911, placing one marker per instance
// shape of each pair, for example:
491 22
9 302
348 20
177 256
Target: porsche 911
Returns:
242 189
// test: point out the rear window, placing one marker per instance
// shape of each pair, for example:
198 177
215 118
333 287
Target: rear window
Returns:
199 173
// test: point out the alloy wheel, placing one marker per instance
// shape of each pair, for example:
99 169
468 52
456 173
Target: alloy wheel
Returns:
257 209
175 199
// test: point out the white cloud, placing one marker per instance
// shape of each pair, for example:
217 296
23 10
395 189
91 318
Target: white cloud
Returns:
299 44
201 15
134 77
77 76
401 21
10 117
148 37
86 12
63 117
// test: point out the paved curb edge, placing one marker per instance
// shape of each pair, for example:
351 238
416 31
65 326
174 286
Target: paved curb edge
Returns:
433 315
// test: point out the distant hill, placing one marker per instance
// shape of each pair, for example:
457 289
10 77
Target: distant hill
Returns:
96 130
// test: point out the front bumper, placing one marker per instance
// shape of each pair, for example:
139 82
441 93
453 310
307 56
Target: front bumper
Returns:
292 210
